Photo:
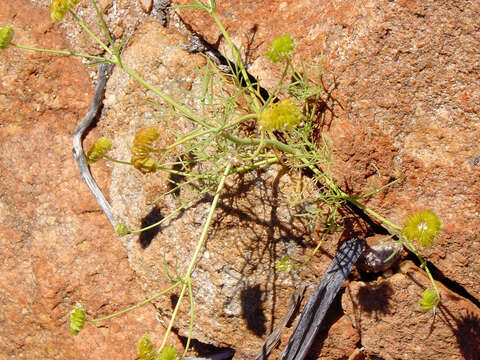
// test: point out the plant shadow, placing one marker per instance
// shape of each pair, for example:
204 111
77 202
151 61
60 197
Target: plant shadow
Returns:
251 300
375 299
467 333
145 238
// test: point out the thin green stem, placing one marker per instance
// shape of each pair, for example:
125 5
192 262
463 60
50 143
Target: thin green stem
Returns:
310 257
187 113
144 302
237 59
192 319
255 165
177 210
259 147
193 262
255 142
423 263
102 23
90 33
116 161
373 213
62 52
192 136
279 86
376 191
181 173
430 277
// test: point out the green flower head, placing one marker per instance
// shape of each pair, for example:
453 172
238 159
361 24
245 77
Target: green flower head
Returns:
77 319
429 300
121 229
422 227
145 349
6 36
284 264
99 149
58 8
144 164
282 115
168 353
281 48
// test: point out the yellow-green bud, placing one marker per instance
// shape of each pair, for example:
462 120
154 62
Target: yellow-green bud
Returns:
99 149
282 115
284 264
77 319
145 349
168 353
145 165
58 8
121 229
429 300
281 48
6 36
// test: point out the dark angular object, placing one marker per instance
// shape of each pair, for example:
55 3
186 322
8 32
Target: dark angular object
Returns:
320 301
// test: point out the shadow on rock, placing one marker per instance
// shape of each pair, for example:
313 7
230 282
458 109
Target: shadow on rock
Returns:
468 336
251 299
151 218
375 298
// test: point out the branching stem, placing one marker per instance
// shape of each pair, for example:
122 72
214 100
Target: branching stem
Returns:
187 278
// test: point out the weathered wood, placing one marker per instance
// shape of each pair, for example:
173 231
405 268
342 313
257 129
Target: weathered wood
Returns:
274 338
320 301
104 71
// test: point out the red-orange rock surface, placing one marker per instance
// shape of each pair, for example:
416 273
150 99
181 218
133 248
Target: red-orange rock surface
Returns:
406 104
56 248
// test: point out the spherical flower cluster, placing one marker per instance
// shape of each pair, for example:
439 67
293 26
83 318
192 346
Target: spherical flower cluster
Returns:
422 227
121 229
6 36
58 8
282 115
145 348
168 353
99 149
77 319
281 48
284 264
142 146
429 300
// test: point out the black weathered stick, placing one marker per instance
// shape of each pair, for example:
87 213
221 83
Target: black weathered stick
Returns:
274 338
104 71
318 304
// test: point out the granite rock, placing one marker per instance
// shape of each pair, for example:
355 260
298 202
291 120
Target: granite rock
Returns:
405 102
404 105
391 325
56 246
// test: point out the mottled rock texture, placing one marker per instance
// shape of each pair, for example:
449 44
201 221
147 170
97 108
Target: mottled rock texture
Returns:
56 248
391 326
405 104
408 85
236 285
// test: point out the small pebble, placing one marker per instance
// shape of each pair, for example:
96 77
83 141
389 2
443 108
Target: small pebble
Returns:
474 161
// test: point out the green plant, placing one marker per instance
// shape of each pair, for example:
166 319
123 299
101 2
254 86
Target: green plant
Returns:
422 227
429 300
283 133
99 150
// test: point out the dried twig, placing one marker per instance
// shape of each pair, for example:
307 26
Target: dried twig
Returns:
318 304
274 337
104 71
